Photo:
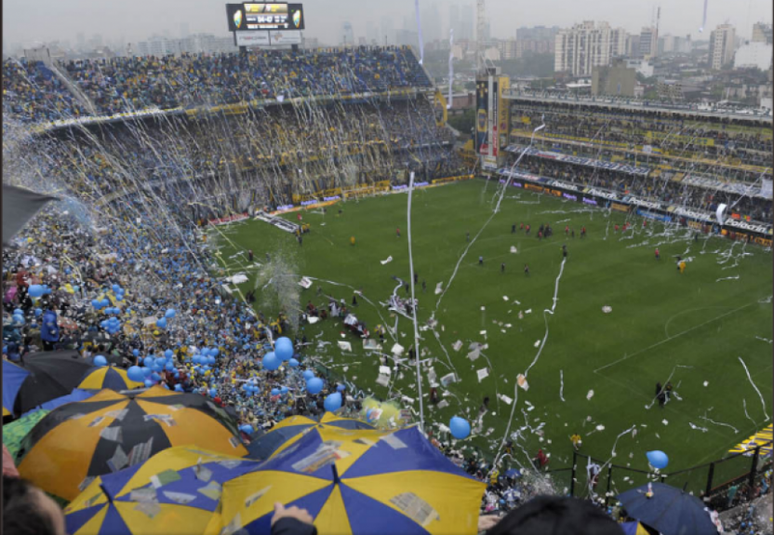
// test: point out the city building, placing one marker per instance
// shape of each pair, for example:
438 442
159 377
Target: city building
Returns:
617 80
348 34
721 47
641 66
674 44
756 55
587 45
762 33
648 43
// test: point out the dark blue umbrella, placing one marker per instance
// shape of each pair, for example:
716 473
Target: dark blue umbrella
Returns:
13 377
669 510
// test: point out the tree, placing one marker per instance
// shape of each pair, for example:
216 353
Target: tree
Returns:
463 123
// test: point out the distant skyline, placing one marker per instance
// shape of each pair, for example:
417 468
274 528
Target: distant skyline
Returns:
25 23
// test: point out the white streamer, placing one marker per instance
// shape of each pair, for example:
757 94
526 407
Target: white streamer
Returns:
451 67
419 34
561 385
413 301
763 403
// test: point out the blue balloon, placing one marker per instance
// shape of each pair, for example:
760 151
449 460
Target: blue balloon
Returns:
169 354
116 288
146 372
247 429
38 312
314 385
96 303
18 319
293 363
460 428
148 361
18 311
105 302
36 290
333 402
100 361
658 459
271 362
162 323
341 388
169 367
284 390
213 392
275 392
284 348
155 376
170 313
135 374
148 383
308 374
210 360
135 352
160 361
178 387
214 351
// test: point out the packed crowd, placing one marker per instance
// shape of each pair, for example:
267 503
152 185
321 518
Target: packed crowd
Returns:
193 80
34 94
657 188
291 149
687 139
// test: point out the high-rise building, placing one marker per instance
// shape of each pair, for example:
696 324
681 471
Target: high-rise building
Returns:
722 45
348 34
587 45
468 17
762 33
755 55
648 43
454 20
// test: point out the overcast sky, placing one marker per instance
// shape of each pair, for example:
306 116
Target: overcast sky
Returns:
27 21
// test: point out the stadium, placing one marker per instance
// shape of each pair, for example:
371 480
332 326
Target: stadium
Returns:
279 276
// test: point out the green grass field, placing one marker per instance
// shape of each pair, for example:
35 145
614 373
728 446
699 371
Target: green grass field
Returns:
690 327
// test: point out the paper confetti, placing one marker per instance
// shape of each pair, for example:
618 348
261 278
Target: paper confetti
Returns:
590 394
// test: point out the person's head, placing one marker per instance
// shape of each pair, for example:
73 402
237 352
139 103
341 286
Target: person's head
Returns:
554 515
27 510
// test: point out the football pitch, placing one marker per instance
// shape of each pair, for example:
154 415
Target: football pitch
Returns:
596 373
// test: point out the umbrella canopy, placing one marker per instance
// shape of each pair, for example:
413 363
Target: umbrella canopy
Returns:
75 395
109 357
13 377
19 206
52 374
357 481
291 429
110 431
669 510
108 377
634 528
174 492
14 433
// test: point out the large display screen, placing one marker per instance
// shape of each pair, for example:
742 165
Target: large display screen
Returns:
252 16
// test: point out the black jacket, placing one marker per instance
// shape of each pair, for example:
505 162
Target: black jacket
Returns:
292 526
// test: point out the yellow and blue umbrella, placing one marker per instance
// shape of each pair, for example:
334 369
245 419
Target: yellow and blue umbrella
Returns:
174 492
634 528
13 377
79 441
108 377
356 481
291 429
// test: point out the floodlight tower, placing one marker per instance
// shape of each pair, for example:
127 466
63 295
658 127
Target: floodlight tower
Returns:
480 30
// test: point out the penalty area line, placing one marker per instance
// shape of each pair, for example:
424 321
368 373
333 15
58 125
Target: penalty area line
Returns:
672 337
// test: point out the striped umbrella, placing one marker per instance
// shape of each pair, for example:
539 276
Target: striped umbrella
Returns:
291 429
108 377
105 433
356 481
176 491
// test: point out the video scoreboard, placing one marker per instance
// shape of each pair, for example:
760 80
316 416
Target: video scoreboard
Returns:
251 16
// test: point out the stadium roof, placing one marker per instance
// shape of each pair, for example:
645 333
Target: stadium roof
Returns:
641 105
